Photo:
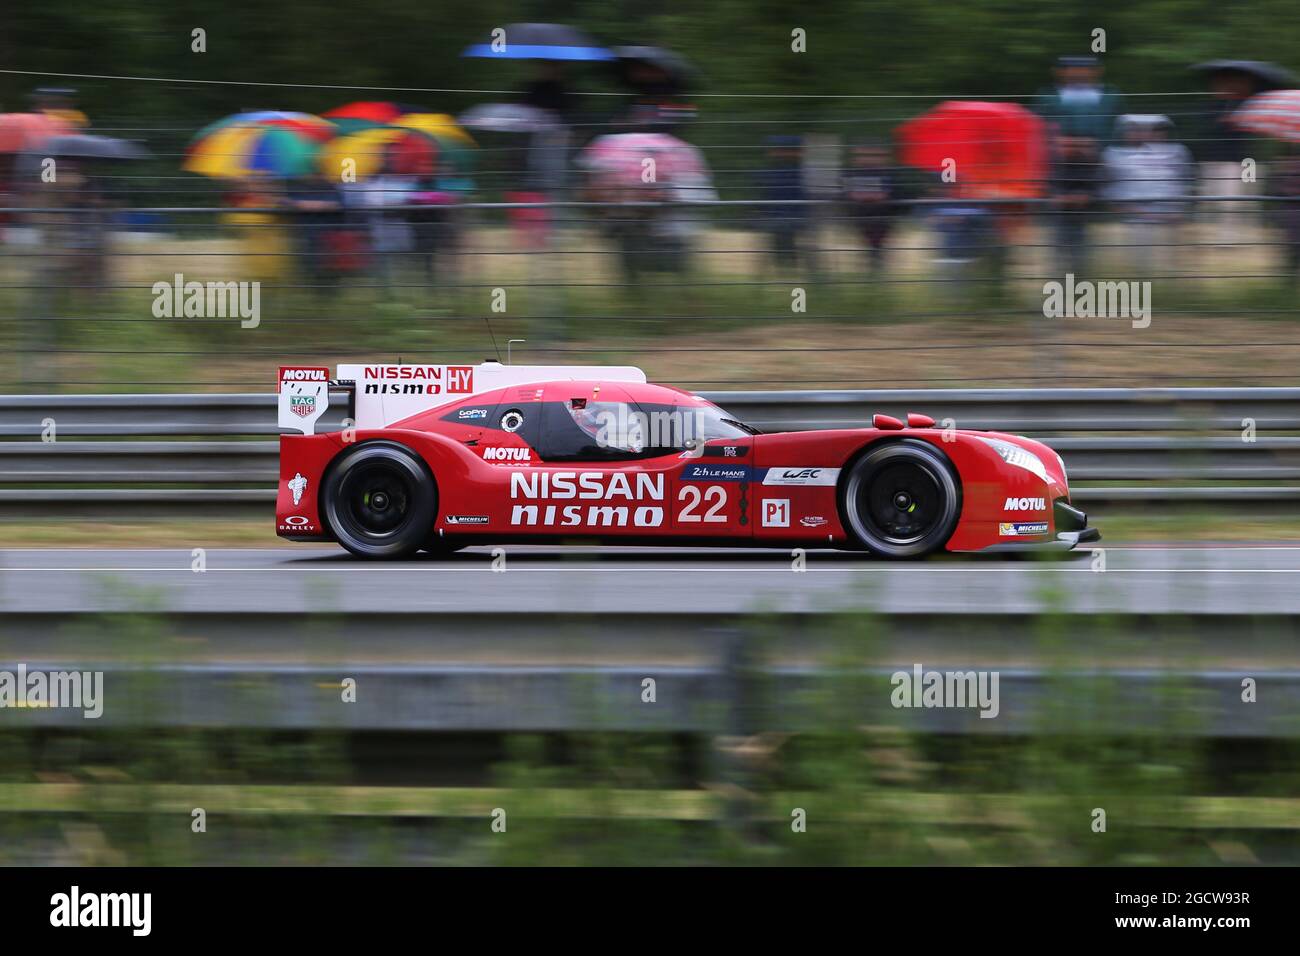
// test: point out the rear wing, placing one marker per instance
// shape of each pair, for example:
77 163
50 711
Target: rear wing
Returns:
379 395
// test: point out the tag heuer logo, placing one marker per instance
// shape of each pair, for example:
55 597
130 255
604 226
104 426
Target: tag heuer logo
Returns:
302 405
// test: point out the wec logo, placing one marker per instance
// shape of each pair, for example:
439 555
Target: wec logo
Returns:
1025 504
797 475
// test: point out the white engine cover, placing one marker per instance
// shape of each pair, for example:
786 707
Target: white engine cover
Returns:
389 393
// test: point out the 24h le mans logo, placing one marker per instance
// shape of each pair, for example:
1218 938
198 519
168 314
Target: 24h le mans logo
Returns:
302 405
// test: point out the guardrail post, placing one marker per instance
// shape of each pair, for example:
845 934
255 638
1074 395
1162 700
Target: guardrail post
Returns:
736 730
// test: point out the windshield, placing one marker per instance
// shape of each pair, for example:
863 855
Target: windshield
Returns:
687 426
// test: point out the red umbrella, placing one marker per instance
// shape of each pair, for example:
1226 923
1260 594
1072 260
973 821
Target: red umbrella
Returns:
993 150
414 154
373 111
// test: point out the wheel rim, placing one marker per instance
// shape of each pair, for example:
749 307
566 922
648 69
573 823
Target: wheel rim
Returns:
377 498
902 502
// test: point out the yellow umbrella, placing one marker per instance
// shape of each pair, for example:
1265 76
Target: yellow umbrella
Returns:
436 124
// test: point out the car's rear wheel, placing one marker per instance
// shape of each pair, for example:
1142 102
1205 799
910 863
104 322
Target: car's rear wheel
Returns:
380 501
901 499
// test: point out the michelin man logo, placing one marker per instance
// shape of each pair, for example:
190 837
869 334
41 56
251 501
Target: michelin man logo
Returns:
297 485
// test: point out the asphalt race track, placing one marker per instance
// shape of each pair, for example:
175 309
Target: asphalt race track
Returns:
1195 580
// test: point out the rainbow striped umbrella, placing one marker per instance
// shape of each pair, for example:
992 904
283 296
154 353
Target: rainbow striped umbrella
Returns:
306 124
235 152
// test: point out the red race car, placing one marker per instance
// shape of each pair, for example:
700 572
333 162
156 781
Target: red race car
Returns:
438 457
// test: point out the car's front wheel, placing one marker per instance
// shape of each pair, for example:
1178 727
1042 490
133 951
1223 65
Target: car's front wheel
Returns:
380 501
901 499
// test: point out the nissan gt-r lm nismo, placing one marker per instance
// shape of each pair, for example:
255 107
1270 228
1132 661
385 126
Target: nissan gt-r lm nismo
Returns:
437 457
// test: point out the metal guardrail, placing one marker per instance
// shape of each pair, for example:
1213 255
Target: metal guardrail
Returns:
448 699
121 448
1036 411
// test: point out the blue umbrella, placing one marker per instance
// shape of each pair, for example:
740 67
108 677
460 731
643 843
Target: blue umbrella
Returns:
539 41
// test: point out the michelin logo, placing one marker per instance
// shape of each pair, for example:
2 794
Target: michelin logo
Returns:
1025 504
467 519
297 485
1015 529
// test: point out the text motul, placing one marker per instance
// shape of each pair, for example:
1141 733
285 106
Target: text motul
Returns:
507 454
1025 504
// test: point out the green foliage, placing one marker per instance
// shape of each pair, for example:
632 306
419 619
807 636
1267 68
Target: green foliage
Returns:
927 48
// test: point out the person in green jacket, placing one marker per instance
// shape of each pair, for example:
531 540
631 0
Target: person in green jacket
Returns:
1079 104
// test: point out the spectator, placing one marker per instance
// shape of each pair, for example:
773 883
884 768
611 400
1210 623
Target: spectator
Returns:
1286 178
327 247
782 182
630 225
1075 182
1150 178
59 102
382 201
968 237
677 224
870 189
1221 153
260 230
549 91
71 216
1079 104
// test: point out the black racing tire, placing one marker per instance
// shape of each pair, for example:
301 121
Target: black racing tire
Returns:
380 501
901 499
